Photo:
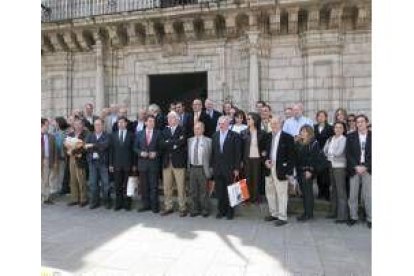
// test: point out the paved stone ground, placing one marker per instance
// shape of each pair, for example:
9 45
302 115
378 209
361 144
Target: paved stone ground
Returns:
81 241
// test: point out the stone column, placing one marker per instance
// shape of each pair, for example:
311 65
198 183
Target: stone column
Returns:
293 20
254 92
313 18
100 81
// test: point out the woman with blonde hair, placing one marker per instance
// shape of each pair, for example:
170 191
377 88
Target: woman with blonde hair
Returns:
307 151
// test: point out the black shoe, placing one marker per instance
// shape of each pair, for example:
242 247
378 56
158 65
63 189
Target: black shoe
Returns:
83 204
340 221
155 211
331 216
219 216
108 205
205 215
127 208
144 209
94 206
303 218
351 222
270 218
183 214
48 202
166 212
73 203
369 224
229 216
194 214
280 222
117 208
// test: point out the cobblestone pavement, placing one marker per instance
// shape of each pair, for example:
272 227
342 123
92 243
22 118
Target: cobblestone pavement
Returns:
81 241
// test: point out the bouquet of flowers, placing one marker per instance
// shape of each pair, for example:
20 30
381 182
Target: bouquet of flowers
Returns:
72 143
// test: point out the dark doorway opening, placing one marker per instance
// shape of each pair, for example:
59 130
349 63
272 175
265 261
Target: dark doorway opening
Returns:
184 87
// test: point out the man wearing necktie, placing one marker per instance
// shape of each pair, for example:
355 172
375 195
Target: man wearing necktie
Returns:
147 148
226 157
121 161
199 160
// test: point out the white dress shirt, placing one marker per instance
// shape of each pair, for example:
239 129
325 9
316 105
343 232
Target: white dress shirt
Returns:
275 145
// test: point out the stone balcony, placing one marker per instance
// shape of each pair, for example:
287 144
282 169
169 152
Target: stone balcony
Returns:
124 24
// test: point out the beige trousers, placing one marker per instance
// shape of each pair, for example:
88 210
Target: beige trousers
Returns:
277 195
46 179
77 182
169 175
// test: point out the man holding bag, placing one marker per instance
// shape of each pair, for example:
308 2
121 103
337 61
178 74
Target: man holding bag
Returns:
226 157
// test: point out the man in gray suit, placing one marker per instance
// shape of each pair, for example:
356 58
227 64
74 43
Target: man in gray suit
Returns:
199 159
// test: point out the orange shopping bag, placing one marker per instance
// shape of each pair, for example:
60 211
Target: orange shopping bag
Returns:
244 189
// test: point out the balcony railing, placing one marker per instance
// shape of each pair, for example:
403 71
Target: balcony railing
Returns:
60 10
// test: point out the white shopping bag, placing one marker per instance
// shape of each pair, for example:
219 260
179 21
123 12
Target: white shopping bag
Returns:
132 185
238 192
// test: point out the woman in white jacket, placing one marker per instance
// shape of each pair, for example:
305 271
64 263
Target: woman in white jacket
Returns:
334 150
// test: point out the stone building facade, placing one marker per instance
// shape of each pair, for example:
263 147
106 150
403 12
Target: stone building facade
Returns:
316 52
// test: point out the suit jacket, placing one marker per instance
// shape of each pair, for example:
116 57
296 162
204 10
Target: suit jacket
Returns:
100 146
142 146
262 137
353 152
121 155
205 144
174 147
160 122
53 152
284 156
190 124
224 163
211 123
323 136
89 125
134 127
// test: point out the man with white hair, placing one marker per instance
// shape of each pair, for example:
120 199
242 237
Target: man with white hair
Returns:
293 124
174 146
279 165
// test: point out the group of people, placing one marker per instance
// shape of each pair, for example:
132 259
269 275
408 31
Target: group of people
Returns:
211 150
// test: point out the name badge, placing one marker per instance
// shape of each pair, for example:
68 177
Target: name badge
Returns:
95 155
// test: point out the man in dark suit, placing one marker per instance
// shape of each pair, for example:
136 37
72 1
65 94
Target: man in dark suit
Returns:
358 157
147 147
49 160
226 158
123 112
323 131
89 118
212 117
184 116
121 160
198 115
97 145
278 167
174 145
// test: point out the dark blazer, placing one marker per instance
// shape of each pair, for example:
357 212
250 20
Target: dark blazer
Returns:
174 147
306 157
80 154
134 127
101 146
211 123
190 124
160 121
184 119
323 136
121 155
245 136
141 145
224 163
353 152
88 125
130 126
284 156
